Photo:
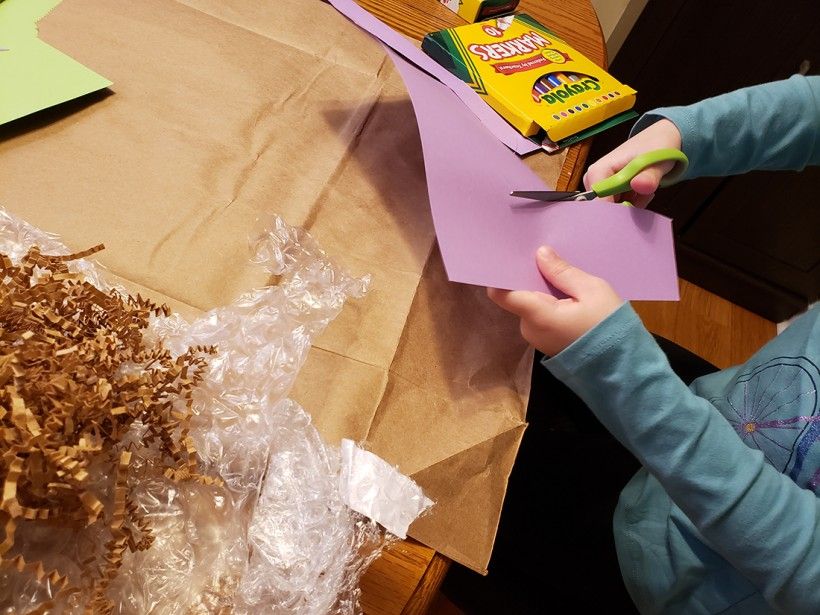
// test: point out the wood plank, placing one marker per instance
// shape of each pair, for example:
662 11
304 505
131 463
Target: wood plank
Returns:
390 582
713 328
427 590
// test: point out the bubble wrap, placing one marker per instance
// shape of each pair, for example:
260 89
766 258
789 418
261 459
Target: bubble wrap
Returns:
278 535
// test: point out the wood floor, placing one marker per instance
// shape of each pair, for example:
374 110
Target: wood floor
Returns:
713 328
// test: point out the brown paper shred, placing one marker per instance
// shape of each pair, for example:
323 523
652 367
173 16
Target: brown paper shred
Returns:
9 527
75 376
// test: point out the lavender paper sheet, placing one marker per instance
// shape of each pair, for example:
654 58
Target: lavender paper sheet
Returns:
489 238
398 43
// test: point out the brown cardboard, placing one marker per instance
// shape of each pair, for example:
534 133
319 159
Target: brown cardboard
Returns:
225 112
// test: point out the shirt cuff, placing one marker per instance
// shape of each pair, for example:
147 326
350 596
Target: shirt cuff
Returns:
684 122
608 333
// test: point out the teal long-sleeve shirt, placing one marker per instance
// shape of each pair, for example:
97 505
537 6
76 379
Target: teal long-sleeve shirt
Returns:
724 516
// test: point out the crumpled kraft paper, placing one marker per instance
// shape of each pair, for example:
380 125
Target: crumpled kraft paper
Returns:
222 112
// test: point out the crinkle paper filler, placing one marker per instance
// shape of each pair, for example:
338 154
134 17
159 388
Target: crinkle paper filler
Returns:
151 465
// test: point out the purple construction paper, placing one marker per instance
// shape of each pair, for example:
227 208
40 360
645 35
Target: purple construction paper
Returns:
496 124
489 238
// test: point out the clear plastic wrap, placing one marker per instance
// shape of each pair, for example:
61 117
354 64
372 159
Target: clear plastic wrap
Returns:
271 532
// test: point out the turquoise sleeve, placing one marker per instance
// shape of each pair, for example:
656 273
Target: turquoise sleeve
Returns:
759 520
772 126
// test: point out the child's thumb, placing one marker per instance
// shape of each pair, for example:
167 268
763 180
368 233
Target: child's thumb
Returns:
558 272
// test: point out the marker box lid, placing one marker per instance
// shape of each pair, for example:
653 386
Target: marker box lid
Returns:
545 88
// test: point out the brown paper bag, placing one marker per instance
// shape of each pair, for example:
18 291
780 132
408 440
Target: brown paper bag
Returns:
224 112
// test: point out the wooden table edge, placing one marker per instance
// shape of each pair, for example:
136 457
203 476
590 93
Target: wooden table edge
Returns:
428 586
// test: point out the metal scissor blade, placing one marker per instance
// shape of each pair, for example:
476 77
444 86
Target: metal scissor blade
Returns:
545 195
551 196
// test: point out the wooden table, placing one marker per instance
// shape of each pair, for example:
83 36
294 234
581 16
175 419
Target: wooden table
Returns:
405 579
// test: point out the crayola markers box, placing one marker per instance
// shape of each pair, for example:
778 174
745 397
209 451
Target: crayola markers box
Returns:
547 90
476 10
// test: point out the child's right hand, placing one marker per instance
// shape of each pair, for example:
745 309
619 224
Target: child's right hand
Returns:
661 134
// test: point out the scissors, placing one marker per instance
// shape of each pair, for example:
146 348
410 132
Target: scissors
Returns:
618 183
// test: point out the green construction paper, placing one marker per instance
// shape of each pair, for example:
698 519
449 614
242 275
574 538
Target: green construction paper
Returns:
33 74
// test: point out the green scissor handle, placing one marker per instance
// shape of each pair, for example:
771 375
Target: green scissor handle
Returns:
619 183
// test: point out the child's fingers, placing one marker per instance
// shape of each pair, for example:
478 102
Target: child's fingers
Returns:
522 303
648 180
640 200
606 167
596 173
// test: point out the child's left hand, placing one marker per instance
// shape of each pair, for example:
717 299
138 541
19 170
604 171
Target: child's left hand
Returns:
552 324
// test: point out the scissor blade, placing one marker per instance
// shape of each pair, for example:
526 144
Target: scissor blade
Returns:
545 195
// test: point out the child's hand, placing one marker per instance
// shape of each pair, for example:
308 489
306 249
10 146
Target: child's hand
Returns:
552 324
661 134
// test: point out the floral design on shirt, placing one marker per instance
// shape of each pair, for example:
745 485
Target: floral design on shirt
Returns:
774 408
